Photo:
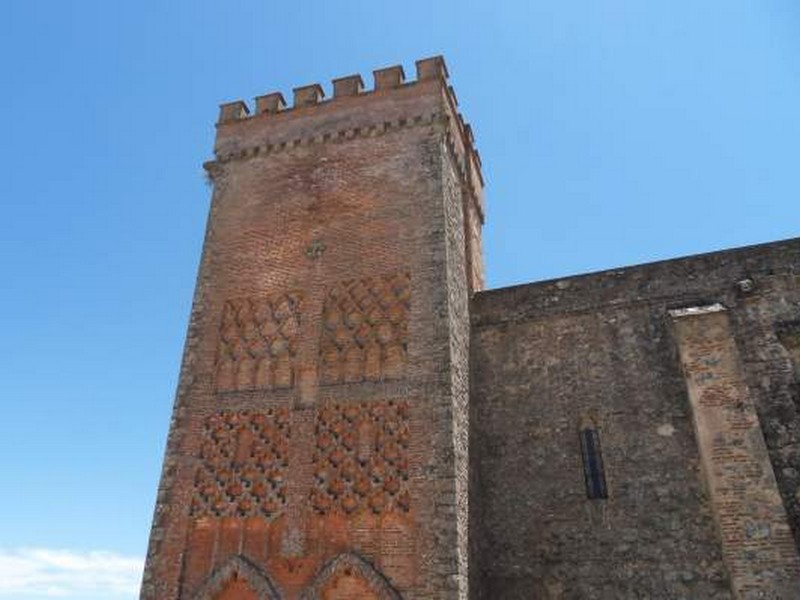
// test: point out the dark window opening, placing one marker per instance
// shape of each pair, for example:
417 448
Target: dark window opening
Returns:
593 471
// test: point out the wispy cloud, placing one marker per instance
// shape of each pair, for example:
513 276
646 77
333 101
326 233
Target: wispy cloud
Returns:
44 572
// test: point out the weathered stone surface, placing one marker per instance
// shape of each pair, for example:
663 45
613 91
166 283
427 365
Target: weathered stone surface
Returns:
546 355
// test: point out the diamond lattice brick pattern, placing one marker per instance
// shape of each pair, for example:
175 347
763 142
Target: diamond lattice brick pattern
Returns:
361 458
365 329
244 459
258 343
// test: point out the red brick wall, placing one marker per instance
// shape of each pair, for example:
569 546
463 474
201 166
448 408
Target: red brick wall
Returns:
323 377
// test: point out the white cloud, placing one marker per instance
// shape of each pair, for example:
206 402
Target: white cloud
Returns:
44 572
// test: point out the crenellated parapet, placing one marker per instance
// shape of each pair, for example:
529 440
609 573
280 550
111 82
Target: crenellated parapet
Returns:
348 86
351 112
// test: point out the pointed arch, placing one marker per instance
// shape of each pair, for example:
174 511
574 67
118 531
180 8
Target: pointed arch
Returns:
352 567
238 568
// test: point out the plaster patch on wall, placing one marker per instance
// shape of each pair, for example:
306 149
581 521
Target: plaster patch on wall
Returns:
665 430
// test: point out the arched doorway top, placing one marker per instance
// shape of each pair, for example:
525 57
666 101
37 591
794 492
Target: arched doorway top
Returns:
351 566
241 569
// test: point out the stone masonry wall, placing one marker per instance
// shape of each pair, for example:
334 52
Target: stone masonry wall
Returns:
548 357
458 293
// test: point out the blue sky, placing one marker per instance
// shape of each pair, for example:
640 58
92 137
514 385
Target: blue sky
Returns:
612 132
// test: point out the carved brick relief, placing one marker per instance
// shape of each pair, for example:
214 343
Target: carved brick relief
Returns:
365 329
244 460
361 458
258 343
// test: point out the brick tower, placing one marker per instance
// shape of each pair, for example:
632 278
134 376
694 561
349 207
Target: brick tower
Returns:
318 445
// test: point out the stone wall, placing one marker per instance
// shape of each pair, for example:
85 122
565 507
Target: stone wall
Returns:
548 357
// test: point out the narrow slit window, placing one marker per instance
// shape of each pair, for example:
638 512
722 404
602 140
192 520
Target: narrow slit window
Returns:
593 471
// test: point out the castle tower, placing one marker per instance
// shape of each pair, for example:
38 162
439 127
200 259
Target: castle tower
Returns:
318 445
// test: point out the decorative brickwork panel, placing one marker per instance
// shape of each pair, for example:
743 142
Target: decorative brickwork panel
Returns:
361 458
244 461
365 329
258 343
